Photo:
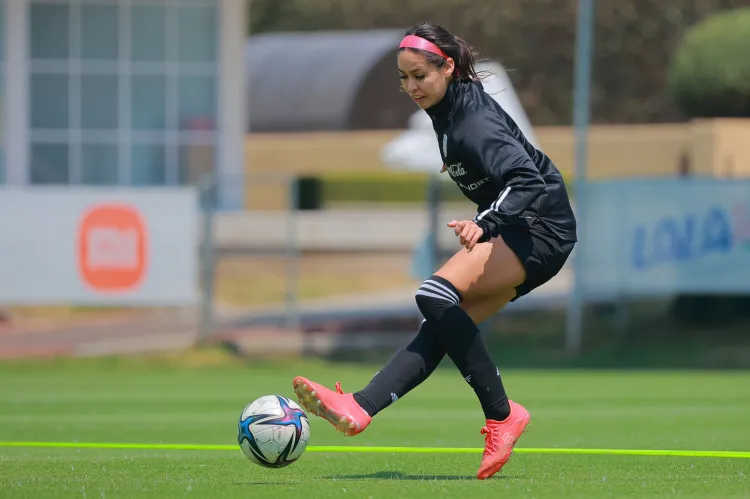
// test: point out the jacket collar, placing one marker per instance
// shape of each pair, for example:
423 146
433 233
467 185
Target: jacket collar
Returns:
455 94
444 108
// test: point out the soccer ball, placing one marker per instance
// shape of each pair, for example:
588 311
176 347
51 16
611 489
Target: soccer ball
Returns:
273 431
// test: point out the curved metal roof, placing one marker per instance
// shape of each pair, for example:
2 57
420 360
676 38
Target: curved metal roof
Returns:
310 80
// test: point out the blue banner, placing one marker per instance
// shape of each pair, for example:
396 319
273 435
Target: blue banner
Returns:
666 236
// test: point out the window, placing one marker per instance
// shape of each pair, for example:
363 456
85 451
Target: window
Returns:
50 98
148 33
49 163
100 32
99 102
148 164
99 164
196 39
196 102
50 30
148 105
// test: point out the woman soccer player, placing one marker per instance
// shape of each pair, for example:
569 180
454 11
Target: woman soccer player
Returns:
520 238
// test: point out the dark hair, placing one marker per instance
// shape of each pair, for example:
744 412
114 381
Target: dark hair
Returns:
457 48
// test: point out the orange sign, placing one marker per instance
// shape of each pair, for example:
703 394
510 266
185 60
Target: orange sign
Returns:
112 248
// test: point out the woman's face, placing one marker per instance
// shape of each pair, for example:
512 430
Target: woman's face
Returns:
424 82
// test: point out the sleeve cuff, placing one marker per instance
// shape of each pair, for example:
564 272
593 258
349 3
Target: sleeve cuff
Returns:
486 235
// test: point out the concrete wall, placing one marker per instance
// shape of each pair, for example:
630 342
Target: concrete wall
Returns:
709 147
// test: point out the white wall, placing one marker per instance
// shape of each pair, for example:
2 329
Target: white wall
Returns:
88 246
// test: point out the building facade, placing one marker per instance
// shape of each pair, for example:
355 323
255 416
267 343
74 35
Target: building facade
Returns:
123 92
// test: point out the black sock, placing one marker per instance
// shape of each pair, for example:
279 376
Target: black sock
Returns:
407 368
439 302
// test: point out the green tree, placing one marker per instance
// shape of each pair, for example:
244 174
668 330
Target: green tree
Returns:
710 73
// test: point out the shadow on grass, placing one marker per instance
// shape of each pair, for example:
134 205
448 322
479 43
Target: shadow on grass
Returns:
380 475
398 475
277 482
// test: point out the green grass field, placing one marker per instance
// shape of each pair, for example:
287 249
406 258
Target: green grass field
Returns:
141 402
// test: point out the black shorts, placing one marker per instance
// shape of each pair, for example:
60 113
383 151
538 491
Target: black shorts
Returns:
542 254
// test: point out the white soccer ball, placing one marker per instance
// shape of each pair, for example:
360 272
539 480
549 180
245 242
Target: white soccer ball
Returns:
273 431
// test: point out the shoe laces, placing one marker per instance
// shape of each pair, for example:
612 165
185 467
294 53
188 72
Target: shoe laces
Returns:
338 388
490 442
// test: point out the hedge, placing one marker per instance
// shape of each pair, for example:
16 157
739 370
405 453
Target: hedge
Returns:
382 187
372 187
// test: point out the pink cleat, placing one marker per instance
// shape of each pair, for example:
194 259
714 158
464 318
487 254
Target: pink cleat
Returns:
338 408
500 438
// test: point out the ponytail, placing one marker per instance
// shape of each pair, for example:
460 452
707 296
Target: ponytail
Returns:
466 60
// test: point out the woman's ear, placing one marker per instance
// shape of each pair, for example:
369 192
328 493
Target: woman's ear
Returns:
449 66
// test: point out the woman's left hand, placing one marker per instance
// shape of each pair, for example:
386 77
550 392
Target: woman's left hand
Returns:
468 231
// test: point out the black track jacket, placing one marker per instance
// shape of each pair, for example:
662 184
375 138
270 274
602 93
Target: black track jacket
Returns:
487 155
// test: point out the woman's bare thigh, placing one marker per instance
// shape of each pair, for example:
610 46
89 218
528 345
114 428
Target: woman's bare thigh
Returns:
481 309
490 270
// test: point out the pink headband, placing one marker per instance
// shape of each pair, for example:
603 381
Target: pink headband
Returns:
416 42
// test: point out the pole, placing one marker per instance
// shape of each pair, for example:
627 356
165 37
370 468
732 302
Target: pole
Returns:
581 111
293 255
207 186
434 187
